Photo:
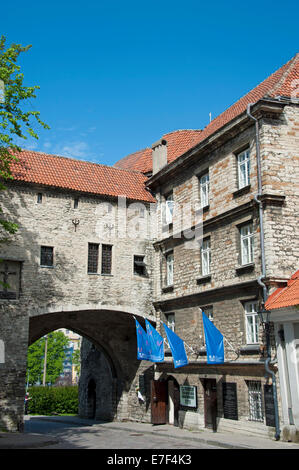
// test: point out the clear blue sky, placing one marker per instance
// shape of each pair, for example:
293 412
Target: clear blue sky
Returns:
116 75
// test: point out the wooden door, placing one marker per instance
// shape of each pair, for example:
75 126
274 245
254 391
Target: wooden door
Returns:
210 403
159 402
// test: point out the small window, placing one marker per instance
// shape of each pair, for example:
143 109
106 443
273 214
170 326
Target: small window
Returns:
170 319
139 265
106 259
206 257
167 210
208 311
204 183
169 269
93 257
243 168
39 198
76 203
252 323
46 256
246 235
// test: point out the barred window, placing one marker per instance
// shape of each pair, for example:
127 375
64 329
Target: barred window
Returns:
106 259
93 256
46 256
255 401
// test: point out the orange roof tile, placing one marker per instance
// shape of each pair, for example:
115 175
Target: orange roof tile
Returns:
77 175
283 82
178 142
285 296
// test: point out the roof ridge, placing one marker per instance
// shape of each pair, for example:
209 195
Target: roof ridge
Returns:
51 155
250 91
290 64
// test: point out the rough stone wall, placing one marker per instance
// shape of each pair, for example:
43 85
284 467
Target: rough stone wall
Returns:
280 160
66 288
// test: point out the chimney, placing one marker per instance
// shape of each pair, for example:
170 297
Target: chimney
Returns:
159 155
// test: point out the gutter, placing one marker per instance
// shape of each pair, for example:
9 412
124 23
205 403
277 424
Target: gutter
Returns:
263 266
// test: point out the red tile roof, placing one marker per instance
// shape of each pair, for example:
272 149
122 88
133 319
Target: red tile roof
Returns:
280 83
285 296
178 142
77 175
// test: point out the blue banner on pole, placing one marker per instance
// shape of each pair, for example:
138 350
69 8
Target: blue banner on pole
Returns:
156 343
177 348
143 351
214 342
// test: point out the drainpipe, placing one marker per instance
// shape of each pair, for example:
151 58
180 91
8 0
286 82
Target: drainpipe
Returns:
263 266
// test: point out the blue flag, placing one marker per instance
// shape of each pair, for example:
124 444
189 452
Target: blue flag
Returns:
156 343
177 348
214 342
143 352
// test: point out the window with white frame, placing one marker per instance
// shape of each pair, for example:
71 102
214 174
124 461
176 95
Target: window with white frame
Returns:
167 210
204 185
205 257
169 269
243 168
170 318
246 235
255 401
251 322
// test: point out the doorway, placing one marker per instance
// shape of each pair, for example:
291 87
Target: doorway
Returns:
210 403
173 401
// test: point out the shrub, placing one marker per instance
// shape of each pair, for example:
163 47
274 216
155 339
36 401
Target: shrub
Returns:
53 400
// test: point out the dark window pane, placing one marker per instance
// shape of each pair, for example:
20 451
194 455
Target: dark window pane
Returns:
39 198
76 203
93 254
139 265
46 256
106 259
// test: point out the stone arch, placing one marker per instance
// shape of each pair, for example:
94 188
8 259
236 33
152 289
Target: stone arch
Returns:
113 363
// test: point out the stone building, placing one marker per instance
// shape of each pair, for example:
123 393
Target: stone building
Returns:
202 220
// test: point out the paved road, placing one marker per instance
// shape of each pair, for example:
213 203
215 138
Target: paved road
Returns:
73 436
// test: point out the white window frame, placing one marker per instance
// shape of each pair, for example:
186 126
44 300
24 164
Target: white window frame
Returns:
167 210
246 242
169 268
206 257
170 317
243 168
204 184
252 322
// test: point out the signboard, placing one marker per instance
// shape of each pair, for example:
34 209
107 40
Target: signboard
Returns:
188 396
230 402
269 405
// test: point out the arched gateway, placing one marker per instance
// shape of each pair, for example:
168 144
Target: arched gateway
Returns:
74 266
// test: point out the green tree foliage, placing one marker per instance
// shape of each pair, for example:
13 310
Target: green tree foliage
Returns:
77 360
56 354
16 122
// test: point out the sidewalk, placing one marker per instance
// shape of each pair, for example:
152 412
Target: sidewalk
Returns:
223 440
